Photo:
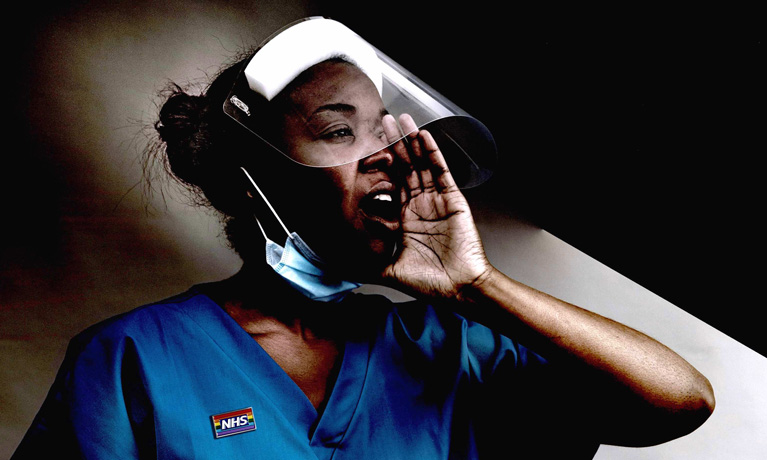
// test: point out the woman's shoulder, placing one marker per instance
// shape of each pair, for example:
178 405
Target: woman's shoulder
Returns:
146 322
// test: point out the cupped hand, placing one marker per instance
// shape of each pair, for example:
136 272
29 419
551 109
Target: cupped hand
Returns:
440 252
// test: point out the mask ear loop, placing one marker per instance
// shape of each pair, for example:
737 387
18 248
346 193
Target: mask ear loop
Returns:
263 197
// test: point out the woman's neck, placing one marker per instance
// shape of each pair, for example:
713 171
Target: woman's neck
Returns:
305 344
257 298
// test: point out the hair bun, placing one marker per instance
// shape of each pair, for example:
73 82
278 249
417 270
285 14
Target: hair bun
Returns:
184 132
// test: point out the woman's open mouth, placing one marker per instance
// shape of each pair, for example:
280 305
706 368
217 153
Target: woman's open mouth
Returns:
382 206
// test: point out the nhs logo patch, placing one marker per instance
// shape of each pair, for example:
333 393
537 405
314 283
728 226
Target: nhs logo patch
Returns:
235 422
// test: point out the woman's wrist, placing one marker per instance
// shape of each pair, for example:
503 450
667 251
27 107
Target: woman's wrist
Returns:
482 287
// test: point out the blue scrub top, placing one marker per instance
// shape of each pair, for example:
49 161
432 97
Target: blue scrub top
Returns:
146 384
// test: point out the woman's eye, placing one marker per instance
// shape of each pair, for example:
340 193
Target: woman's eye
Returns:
339 133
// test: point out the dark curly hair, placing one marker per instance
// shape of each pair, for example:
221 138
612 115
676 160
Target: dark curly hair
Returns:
202 149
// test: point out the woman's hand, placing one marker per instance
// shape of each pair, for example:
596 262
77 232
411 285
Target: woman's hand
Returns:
639 391
441 253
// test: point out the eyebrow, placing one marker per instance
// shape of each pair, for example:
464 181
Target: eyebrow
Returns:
339 107
344 108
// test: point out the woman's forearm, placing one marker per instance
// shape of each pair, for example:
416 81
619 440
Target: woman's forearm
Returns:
629 375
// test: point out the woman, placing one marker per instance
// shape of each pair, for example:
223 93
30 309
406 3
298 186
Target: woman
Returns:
283 361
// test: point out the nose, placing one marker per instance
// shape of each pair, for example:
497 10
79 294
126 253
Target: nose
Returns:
381 160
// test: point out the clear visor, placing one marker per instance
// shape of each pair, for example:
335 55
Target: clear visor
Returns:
317 93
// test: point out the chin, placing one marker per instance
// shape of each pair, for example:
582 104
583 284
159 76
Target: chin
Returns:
355 252
382 251
371 255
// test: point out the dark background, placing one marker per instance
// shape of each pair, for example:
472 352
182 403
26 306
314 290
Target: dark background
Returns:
631 133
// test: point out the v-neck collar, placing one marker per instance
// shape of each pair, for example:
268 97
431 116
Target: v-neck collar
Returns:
323 435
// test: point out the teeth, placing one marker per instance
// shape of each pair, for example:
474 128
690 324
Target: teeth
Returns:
382 197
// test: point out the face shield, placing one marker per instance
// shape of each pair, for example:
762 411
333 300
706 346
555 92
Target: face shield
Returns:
290 96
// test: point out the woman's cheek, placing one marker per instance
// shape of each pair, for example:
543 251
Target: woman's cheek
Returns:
331 201
342 183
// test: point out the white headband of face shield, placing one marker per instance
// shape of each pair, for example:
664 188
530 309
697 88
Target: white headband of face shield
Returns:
466 144
303 45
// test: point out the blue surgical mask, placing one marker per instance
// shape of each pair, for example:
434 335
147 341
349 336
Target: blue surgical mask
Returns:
301 266
304 270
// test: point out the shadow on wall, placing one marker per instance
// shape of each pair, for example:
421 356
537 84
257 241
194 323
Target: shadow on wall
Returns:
82 242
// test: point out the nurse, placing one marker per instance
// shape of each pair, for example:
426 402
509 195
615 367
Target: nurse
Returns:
337 167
